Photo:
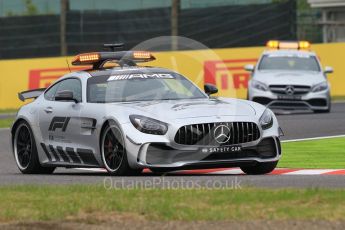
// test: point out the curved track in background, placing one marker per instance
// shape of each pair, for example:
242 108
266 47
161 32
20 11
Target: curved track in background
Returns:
306 125
295 126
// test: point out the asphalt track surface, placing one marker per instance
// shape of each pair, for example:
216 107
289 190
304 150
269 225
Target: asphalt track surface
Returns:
295 126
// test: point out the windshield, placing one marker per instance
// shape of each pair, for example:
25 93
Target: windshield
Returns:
299 62
141 86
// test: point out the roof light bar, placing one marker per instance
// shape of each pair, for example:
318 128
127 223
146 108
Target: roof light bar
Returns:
141 55
86 59
98 59
301 45
273 44
304 45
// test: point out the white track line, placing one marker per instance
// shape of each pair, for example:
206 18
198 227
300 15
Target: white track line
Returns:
314 138
310 172
234 171
237 171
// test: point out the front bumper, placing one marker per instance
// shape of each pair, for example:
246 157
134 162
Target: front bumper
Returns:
161 151
309 101
159 155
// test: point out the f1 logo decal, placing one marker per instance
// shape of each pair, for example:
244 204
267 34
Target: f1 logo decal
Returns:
59 123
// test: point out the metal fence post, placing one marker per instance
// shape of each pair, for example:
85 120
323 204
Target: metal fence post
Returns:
175 8
64 5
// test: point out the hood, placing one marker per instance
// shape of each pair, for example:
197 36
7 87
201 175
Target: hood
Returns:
178 109
289 77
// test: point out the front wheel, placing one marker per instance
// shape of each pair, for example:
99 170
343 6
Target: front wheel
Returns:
25 151
114 153
260 168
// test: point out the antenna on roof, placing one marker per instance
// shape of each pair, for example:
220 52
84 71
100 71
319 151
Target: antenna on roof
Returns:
113 46
69 68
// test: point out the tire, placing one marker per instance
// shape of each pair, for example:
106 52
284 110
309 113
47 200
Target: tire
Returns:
25 151
260 168
113 152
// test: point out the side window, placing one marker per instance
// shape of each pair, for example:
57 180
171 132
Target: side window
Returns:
50 94
73 85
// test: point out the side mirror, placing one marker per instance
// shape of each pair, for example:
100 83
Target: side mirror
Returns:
210 89
65 95
249 68
328 69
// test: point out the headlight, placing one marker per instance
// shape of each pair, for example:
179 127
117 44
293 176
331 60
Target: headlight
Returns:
259 85
148 125
320 87
266 120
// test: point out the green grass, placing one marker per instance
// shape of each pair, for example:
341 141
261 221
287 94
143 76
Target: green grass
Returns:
6 123
326 153
2 111
36 203
338 98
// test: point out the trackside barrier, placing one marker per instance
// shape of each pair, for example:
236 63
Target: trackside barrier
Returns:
223 67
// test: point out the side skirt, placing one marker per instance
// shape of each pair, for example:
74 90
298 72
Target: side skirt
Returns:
69 157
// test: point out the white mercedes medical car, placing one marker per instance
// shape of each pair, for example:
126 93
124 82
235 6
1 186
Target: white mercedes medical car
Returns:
290 77
126 117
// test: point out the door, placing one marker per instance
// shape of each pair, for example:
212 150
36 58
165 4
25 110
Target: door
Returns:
59 120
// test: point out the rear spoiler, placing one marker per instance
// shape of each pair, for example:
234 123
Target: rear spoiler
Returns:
30 94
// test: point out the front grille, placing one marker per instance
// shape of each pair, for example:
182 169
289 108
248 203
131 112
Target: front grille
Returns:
159 153
203 134
297 89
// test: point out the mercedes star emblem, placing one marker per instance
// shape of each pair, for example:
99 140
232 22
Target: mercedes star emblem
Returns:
222 134
290 90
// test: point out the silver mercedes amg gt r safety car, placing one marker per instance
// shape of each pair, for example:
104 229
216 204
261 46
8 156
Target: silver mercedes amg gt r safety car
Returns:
125 118
290 77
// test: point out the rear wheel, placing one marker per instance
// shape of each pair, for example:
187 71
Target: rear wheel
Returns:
260 168
114 153
25 151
